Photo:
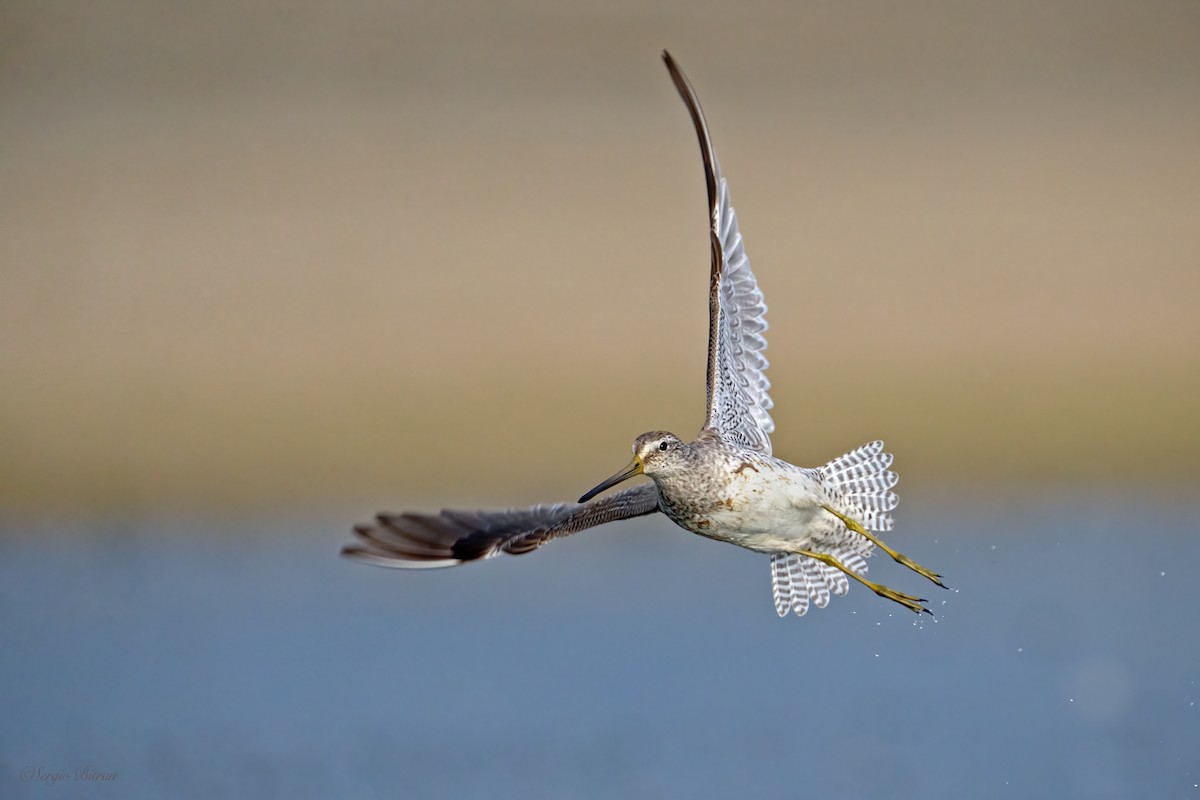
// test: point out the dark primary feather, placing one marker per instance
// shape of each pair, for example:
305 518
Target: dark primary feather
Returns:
711 178
449 538
712 173
737 399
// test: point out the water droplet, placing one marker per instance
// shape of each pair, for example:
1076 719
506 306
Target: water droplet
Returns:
1162 574
993 547
1020 649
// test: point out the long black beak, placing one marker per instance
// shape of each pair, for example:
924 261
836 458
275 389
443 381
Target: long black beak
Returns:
633 469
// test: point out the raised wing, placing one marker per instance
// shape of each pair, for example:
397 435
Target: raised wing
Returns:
738 404
450 538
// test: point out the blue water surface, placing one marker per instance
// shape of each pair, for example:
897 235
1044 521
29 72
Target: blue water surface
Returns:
245 659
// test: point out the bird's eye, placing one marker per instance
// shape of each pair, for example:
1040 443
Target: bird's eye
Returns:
662 445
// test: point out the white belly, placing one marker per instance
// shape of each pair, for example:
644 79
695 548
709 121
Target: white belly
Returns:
768 510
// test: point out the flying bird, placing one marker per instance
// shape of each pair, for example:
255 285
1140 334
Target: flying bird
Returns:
818 526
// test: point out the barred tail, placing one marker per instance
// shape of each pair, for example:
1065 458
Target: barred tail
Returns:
860 484
796 580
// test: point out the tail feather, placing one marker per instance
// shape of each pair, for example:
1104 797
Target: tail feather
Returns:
781 584
789 584
853 556
800 590
797 581
836 580
818 586
866 460
860 483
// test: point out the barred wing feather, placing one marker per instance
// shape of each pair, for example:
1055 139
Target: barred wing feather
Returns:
738 403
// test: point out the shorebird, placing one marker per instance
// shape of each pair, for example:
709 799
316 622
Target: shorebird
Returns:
817 525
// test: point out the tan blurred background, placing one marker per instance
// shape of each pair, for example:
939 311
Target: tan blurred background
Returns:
405 254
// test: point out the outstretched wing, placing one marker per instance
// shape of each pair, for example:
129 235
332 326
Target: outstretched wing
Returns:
738 404
450 538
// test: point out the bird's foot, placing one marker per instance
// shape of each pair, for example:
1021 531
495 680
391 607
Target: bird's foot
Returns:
906 600
900 558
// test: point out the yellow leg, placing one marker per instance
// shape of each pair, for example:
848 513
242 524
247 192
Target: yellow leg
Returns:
906 600
855 526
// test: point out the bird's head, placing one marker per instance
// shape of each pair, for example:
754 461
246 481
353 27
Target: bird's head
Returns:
655 453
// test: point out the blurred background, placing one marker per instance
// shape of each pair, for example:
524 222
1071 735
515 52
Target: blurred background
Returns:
268 268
